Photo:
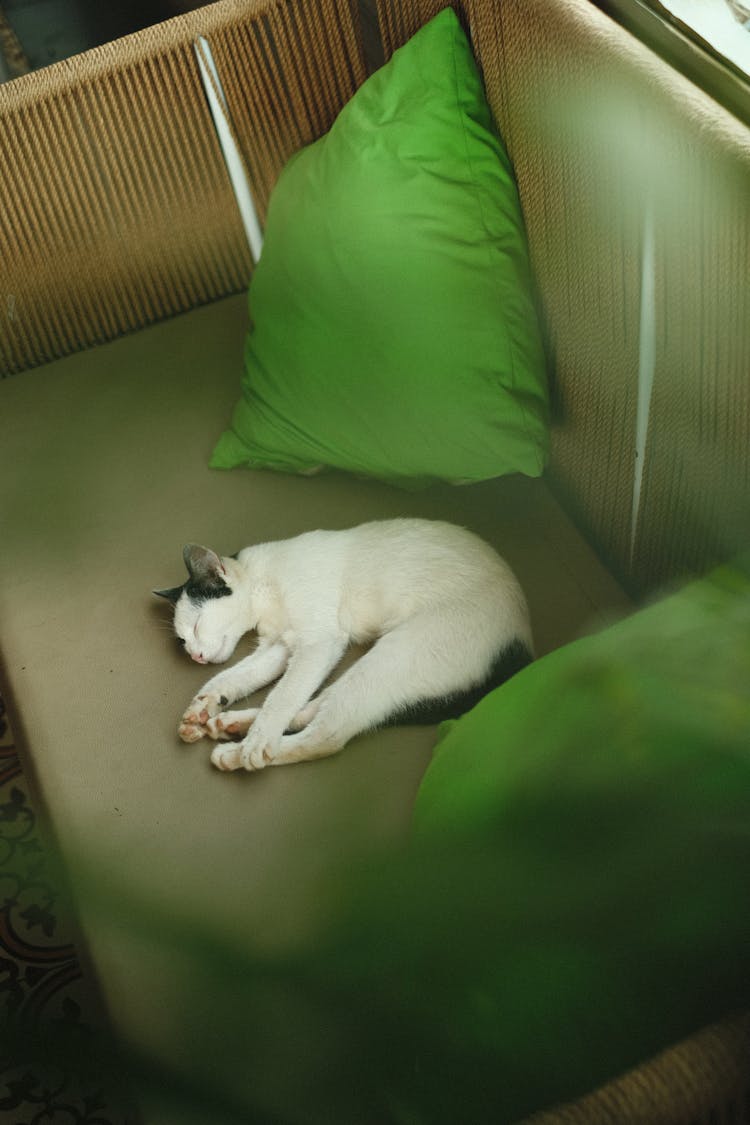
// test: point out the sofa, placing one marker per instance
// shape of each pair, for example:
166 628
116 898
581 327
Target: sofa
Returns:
125 268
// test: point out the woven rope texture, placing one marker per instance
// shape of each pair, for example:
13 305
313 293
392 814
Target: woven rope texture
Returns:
115 207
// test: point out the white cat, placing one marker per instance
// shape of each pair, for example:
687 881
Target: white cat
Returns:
447 617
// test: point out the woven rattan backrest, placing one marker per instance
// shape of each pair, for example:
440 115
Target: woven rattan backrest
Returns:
115 206
636 192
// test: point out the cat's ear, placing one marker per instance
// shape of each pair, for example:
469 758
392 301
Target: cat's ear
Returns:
172 595
204 565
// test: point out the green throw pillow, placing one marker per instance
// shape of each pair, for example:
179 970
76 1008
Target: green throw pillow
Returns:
663 694
591 822
394 331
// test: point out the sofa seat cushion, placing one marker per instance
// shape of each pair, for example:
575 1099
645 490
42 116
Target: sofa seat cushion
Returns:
103 478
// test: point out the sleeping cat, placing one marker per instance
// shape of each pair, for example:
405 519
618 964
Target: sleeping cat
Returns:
447 617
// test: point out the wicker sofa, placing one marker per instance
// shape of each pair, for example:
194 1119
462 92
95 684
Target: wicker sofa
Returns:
117 214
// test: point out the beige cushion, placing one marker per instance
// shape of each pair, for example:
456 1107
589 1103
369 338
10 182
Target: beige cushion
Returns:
103 478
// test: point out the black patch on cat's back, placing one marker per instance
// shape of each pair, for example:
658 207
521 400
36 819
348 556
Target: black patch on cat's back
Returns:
425 712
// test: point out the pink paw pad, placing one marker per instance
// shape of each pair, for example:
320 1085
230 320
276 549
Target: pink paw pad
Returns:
188 732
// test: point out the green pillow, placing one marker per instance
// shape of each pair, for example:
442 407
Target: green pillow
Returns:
394 330
598 808
661 695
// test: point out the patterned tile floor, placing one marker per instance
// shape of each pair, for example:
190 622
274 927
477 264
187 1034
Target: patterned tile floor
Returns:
42 982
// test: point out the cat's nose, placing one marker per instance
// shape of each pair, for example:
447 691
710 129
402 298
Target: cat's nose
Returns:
199 658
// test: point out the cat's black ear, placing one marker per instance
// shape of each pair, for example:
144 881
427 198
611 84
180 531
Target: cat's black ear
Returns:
172 595
204 565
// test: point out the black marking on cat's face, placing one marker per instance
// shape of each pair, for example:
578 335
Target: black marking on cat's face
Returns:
207 574
207 577
200 592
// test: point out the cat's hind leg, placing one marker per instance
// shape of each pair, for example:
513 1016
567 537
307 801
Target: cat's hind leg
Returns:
227 724
229 757
308 666
431 667
230 723
304 717
403 667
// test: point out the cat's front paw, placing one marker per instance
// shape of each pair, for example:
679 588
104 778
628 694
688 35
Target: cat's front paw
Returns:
258 749
200 709
190 732
226 757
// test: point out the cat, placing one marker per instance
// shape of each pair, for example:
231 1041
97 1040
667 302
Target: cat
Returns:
446 619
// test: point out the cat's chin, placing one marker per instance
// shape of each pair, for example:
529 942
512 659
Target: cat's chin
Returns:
223 654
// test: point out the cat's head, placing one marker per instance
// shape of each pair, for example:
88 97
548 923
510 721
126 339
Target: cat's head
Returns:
208 619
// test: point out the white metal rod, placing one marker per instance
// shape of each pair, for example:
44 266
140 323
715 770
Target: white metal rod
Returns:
217 103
